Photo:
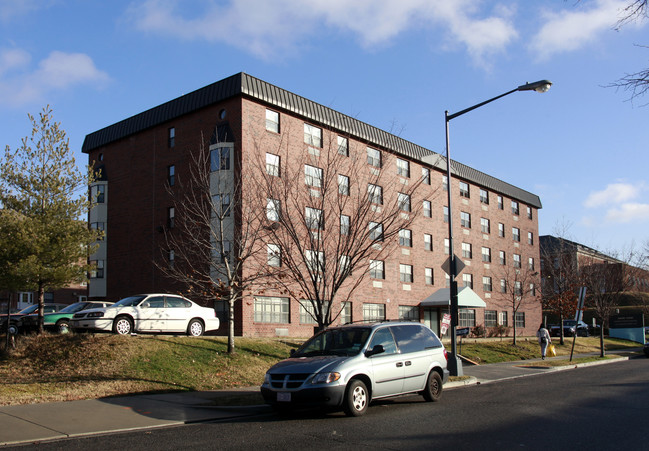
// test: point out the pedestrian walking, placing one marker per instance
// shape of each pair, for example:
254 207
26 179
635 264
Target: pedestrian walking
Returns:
544 339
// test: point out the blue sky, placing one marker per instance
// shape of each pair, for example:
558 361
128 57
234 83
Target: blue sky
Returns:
397 65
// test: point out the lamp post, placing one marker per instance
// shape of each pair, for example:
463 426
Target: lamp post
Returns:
454 362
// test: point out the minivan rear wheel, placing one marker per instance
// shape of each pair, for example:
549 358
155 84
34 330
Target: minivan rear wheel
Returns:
357 398
433 390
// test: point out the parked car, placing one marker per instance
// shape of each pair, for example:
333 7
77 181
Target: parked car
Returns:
646 349
15 319
60 321
348 367
148 313
569 326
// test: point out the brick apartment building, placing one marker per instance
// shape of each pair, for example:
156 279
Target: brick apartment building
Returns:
496 223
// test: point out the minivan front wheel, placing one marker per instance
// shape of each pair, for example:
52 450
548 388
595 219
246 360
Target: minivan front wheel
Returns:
433 390
357 398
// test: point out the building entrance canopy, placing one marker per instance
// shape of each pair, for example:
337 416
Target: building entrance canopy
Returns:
466 297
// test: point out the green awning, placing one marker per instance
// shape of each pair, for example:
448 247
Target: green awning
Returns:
466 297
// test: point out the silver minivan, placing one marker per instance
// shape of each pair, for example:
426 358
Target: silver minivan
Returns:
349 366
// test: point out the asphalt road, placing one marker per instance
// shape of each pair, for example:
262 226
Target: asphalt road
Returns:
601 407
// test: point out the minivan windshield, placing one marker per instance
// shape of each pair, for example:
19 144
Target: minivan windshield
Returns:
347 341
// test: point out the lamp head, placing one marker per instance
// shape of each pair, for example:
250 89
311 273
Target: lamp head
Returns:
538 86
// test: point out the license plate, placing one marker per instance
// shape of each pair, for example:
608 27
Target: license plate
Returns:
283 397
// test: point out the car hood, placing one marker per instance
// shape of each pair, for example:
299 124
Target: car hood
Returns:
309 365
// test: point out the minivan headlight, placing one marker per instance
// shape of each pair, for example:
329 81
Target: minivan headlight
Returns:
325 378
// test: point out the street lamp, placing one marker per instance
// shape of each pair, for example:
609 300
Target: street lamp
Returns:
454 362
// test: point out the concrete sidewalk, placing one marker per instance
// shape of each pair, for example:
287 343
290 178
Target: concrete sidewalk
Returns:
50 421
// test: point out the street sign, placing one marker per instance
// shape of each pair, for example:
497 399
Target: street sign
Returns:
459 265
446 321
580 304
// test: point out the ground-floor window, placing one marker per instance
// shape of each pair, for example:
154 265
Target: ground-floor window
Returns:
519 319
490 318
346 313
307 313
373 312
502 319
271 310
409 312
466 317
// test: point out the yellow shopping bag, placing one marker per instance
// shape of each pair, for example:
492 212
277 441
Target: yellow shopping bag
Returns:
551 351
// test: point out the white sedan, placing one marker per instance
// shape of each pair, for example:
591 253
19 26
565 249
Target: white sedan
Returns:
148 313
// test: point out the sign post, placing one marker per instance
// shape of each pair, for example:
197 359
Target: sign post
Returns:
578 316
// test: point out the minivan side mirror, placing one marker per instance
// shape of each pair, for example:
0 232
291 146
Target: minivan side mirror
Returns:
291 352
378 349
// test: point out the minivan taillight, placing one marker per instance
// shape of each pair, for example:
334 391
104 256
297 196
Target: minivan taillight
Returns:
445 354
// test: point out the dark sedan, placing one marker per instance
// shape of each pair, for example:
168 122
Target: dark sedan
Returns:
15 319
569 327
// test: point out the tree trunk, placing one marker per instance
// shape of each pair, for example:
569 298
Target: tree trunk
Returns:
41 307
231 323
514 328
602 351
561 340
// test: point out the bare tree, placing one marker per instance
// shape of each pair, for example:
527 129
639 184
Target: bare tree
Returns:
333 215
561 278
605 283
519 290
213 232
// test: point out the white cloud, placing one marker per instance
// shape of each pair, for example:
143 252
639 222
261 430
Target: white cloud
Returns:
10 9
270 29
572 29
618 202
20 84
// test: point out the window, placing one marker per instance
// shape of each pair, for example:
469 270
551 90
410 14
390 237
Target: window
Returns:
375 312
376 231
425 176
346 313
445 182
221 205
427 209
405 238
486 254
312 135
503 319
314 218
172 137
315 261
464 190
375 194
516 234
529 212
501 230
171 217
445 214
405 273
404 201
307 313
530 263
403 167
312 176
343 146
485 225
501 205
171 175
446 247
467 251
515 208
467 280
409 312
272 164
274 255
490 318
517 261
271 310
502 257
98 194
519 319
344 225
98 269
503 286
272 121
373 157
343 265
518 288
343 185
466 317
273 209
532 290
100 226
486 283
428 275
484 196
428 242
377 269
465 219
530 238
220 159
